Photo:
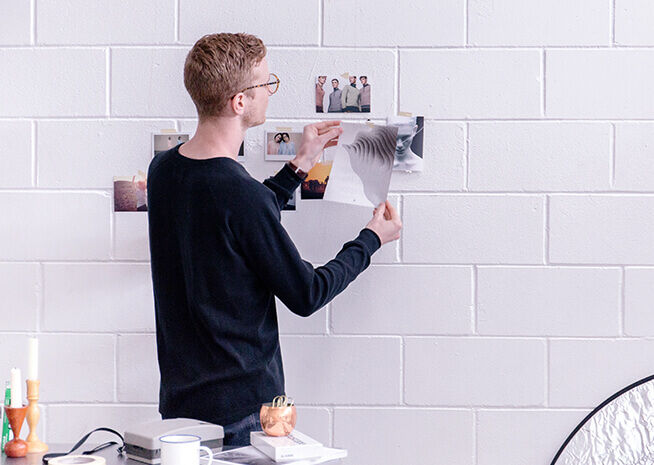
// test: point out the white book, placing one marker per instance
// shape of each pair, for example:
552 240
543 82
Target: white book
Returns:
252 456
295 446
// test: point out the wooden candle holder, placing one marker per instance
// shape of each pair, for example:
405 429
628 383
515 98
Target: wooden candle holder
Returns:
16 447
34 444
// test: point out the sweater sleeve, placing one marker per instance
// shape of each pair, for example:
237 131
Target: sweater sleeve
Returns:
283 184
271 254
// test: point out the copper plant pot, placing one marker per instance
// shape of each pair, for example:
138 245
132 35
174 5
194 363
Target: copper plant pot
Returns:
278 421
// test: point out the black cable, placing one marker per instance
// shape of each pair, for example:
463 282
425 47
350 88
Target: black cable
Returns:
52 455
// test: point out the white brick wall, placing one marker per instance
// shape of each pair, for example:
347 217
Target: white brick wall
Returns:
533 22
526 263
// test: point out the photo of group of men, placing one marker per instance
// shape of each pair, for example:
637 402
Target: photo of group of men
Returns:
344 94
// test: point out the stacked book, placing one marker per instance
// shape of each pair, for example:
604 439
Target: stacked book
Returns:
294 449
295 446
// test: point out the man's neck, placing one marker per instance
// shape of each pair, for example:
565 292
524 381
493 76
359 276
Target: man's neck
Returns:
215 137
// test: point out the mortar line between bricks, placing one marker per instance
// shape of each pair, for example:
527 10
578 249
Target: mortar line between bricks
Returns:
79 333
636 194
176 21
55 190
332 422
546 375
463 194
90 261
362 48
402 371
475 299
546 232
418 193
98 119
321 23
517 337
112 229
466 23
115 368
532 337
622 301
434 407
396 76
331 407
44 424
32 22
344 117
466 157
108 82
123 261
328 319
400 243
534 409
475 436
372 335
33 154
40 308
612 22
112 236
612 151
543 83
98 404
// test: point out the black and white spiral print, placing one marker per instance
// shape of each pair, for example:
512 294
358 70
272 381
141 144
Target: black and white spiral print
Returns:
376 146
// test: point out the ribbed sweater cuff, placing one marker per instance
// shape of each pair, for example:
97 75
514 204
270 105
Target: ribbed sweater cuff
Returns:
370 239
287 179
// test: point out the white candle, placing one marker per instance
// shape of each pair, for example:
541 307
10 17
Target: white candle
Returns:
33 358
16 389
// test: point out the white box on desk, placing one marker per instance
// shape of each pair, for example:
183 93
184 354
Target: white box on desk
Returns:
295 446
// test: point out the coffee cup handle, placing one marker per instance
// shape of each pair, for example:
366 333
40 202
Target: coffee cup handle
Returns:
208 451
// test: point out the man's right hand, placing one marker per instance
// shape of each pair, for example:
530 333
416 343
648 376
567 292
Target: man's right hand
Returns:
385 223
315 138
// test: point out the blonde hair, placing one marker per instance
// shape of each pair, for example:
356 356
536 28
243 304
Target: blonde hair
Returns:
218 67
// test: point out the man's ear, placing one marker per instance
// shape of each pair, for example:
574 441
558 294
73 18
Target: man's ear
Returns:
237 103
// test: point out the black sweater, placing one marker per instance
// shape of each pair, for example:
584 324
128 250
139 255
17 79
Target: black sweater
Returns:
219 255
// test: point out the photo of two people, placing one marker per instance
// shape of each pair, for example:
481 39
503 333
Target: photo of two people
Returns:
281 144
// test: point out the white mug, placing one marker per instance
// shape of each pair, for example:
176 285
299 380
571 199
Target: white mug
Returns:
182 449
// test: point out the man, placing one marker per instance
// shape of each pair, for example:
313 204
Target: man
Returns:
219 253
364 94
335 98
320 93
350 97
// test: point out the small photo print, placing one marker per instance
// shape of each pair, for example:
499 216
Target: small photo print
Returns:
281 144
410 136
292 203
313 187
342 93
163 142
130 193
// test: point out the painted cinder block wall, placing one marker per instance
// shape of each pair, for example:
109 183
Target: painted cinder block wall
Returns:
519 296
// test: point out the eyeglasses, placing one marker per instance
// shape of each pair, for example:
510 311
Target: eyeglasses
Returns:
271 86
